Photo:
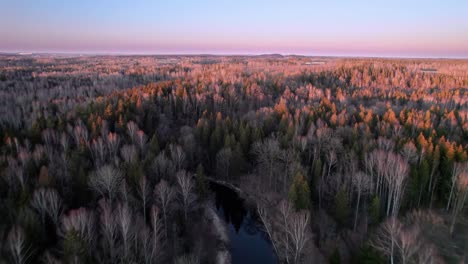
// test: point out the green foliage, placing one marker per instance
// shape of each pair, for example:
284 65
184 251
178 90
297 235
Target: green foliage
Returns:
374 210
201 181
368 255
316 173
299 192
154 144
335 257
342 208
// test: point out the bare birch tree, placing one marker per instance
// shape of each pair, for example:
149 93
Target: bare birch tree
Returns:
108 221
17 246
125 226
361 183
164 198
106 181
48 203
186 190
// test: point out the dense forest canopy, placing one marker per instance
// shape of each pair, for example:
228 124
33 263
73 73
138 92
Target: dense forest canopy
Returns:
108 159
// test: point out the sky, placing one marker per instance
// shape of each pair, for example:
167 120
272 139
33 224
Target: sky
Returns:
308 27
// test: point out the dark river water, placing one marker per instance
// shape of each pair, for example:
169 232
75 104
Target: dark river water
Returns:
248 243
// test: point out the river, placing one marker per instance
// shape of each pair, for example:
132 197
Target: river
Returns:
248 243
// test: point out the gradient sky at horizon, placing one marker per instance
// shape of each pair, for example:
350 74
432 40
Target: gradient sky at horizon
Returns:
336 27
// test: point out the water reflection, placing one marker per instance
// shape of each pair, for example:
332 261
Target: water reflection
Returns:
248 243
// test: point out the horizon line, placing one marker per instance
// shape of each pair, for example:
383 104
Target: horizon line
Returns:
215 54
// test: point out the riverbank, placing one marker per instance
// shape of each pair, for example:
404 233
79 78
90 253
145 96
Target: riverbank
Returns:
223 255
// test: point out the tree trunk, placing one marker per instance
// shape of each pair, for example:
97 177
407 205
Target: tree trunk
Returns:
357 209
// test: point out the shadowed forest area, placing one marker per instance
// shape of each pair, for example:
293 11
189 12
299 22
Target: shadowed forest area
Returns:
109 159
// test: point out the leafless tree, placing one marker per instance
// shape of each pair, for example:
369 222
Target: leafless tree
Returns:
48 203
409 243
386 238
141 140
132 129
410 152
291 164
267 153
80 222
129 153
285 210
164 197
80 134
268 227
106 181
396 179
156 242
98 151
125 227
186 194
177 156
299 234
458 191
113 142
291 235
144 193
19 250
108 225
162 166
361 183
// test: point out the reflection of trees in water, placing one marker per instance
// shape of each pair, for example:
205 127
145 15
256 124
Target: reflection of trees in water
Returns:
250 226
231 205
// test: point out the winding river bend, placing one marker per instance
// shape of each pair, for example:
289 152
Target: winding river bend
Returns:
248 243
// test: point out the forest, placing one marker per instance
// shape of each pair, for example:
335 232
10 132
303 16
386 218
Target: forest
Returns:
112 159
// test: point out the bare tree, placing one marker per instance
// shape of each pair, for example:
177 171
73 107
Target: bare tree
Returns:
409 243
48 203
19 250
156 243
299 234
267 153
291 235
361 183
113 142
125 227
141 140
144 193
129 153
177 156
268 227
186 186
132 129
98 151
106 181
162 166
400 242
80 223
410 152
458 191
108 227
386 238
164 197
285 210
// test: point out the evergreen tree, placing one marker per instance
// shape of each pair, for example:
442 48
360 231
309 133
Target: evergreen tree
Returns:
299 193
201 181
375 210
342 207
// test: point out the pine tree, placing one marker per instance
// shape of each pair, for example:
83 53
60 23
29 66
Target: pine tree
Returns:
202 181
375 210
299 193
342 208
